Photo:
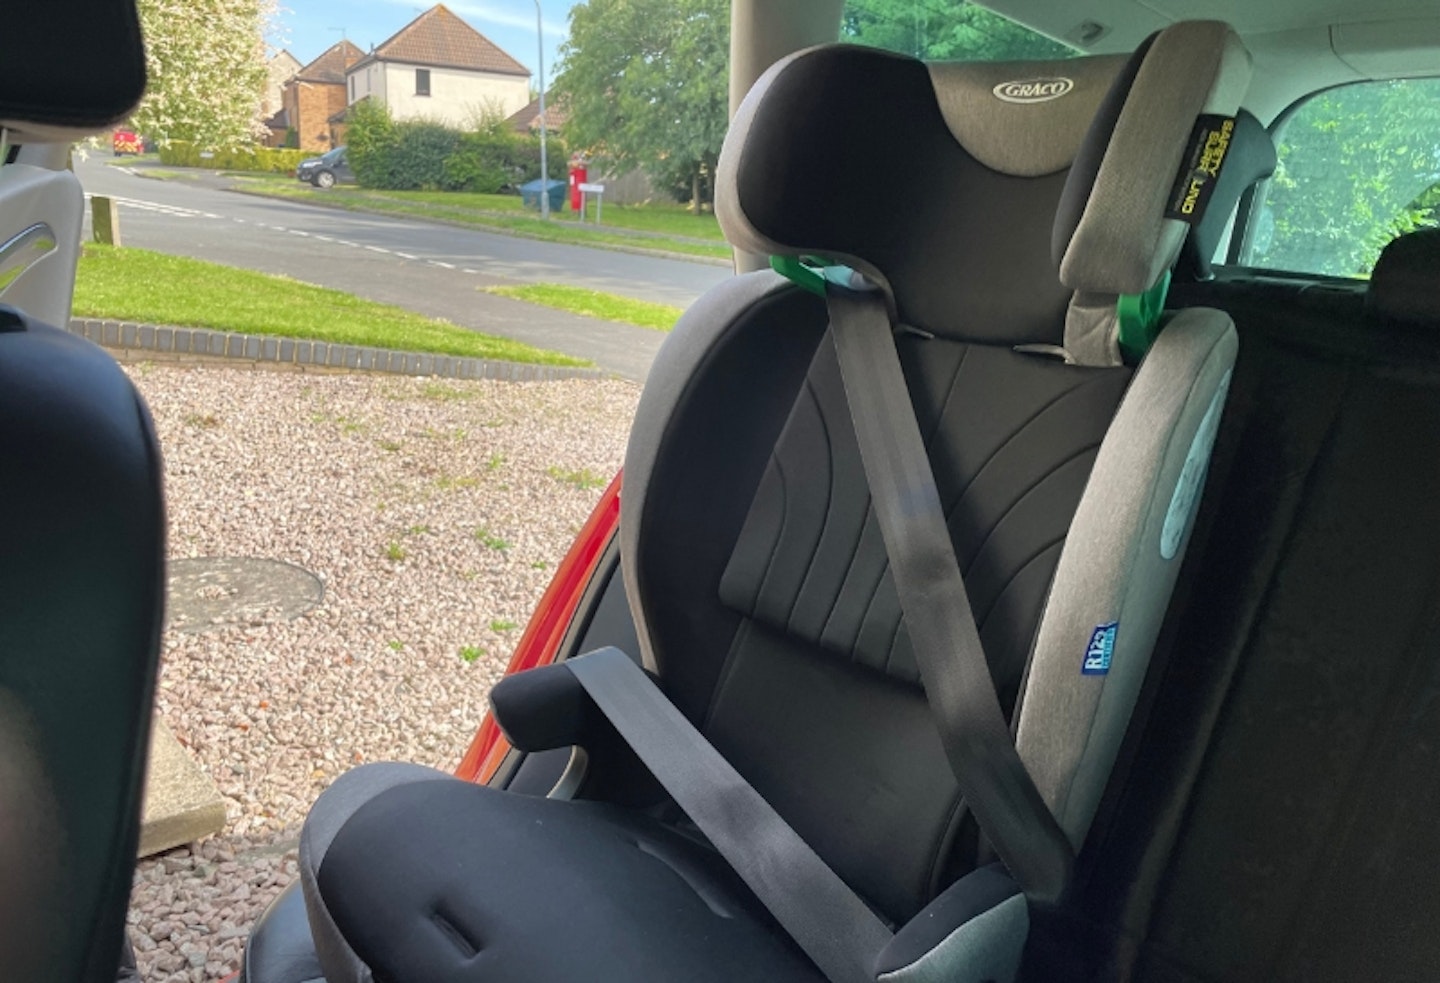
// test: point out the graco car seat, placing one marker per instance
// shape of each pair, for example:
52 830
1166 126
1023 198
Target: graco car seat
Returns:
837 786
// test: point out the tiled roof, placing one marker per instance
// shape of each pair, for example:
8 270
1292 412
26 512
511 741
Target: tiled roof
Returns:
330 66
439 38
527 120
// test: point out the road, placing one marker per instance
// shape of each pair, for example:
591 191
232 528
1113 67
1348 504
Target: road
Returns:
437 270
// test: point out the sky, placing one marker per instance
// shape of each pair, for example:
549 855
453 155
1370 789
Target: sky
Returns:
308 27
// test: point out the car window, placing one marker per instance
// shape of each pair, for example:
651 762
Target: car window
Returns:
1359 165
943 30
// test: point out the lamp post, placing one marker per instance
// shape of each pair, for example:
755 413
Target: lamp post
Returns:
544 163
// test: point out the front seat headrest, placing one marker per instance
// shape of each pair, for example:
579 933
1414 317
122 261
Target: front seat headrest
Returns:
1405 286
69 68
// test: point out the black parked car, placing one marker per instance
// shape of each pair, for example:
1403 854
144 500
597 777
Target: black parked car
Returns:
326 170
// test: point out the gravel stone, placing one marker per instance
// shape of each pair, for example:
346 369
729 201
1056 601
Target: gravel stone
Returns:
434 511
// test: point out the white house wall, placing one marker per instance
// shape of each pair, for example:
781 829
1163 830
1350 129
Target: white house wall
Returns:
367 81
457 97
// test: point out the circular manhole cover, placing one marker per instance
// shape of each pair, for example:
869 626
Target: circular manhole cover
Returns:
224 590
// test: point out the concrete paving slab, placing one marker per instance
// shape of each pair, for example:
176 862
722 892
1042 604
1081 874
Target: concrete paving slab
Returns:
182 804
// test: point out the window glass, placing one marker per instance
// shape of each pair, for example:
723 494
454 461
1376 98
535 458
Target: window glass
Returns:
1359 165
943 30
422 81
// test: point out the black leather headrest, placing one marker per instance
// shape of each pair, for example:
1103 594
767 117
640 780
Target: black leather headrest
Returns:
1405 287
69 67
1251 158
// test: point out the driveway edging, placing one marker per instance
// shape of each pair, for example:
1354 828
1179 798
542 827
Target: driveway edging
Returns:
309 354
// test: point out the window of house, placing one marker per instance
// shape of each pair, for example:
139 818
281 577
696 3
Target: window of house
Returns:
1359 165
944 31
422 81
352 88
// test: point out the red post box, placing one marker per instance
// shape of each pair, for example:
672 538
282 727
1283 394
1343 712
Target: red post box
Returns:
578 173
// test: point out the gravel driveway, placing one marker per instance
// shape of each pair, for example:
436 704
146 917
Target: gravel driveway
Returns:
434 512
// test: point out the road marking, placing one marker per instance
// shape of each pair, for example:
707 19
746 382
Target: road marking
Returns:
178 211
175 211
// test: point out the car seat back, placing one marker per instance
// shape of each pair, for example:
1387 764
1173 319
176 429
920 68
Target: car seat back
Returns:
81 598
752 557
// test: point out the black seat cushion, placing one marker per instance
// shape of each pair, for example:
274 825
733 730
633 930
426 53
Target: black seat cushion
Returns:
494 887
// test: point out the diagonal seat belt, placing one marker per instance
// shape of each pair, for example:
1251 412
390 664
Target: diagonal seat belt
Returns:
831 923
958 685
837 930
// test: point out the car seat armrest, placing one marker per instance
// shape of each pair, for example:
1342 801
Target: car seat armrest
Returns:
975 930
546 707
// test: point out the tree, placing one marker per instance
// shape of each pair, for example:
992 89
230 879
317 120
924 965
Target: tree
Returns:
1359 165
646 82
206 60
943 30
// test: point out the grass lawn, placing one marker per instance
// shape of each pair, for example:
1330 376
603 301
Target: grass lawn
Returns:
153 288
650 227
593 303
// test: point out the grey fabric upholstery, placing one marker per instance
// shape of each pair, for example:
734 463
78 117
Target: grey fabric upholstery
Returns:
1124 242
1119 564
1022 135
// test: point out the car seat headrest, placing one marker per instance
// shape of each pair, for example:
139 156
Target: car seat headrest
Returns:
1251 158
1403 287
945 183
1145 175
938 181
69 68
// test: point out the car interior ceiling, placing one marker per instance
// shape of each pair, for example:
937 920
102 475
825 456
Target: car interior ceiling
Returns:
1271 814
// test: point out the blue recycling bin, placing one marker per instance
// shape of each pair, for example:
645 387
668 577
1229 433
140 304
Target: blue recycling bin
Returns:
530 194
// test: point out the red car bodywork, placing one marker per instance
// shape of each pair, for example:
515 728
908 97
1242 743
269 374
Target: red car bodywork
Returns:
543 635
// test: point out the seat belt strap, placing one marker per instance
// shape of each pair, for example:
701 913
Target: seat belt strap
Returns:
837 930
961 692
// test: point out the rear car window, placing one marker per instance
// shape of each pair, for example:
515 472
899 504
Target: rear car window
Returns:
942 30
1359 165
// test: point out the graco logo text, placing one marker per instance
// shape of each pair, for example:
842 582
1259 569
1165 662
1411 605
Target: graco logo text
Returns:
1033 90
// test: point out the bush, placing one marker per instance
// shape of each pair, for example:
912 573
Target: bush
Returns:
419 155
178 153
498 159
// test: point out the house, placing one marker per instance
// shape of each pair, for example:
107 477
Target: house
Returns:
527 120
440 68
281 68
316 93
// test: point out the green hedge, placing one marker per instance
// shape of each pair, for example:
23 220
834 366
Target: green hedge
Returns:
417 155
178 153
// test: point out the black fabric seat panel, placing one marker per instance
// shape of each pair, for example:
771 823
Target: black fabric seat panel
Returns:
1011 437
1275 820
823 666
501 888
1318 704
